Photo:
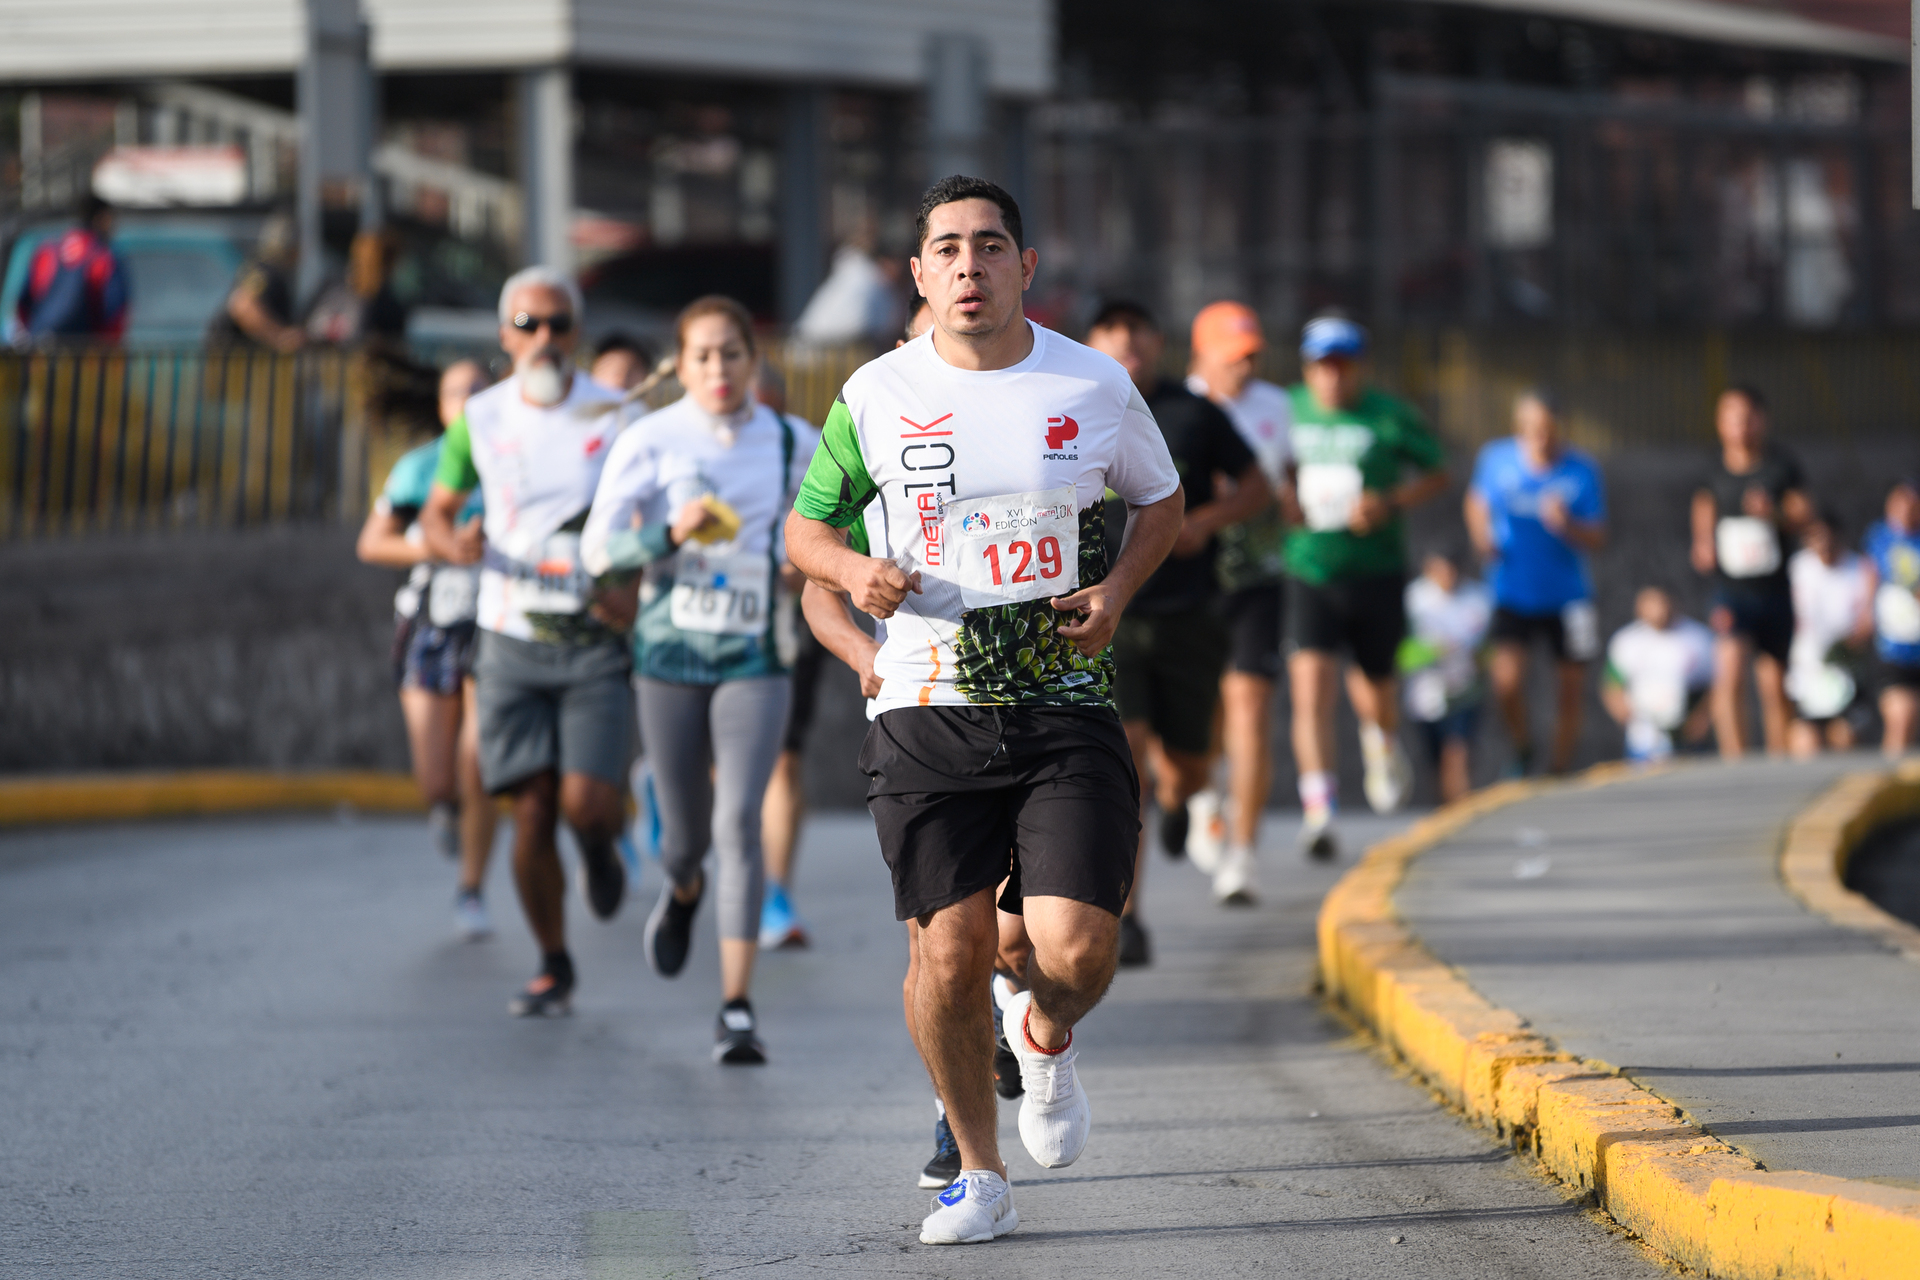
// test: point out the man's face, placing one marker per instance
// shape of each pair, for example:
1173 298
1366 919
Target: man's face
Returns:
618 370
462 380
1226 378
1136 346
1653 607
1740 423
1334 381
969 271
1903 508
539 303
921 322
1535 428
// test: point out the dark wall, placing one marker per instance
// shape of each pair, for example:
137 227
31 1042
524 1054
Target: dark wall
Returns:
269 649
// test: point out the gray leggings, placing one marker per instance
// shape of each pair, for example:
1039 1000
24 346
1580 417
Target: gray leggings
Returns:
733 729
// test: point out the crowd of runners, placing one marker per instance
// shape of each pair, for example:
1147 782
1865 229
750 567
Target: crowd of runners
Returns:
1071 587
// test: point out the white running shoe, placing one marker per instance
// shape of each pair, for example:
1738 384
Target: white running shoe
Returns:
470 914
1054 1117
1206 831
1318 840
976 1208
1389 773
1233 883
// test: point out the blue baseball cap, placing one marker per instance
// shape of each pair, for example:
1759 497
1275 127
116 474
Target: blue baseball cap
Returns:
1332 336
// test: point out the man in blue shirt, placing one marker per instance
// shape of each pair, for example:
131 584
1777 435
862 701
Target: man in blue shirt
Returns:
1535 508
1893 544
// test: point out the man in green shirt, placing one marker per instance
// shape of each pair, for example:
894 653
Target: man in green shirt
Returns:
1358 459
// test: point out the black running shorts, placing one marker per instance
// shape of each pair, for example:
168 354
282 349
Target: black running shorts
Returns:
1166 669
1366 617
1510 627
964 797
1253 630
809 661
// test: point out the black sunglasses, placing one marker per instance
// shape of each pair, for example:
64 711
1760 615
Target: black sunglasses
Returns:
527 322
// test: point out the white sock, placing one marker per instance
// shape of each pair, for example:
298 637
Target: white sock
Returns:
1318 792
1239 853
1373 740
939 1108
1002 991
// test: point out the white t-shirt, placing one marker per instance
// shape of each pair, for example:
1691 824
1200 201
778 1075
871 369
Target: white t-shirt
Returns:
935 444
681 452
538 469
1455 625
1263 415
1828 600
1661 670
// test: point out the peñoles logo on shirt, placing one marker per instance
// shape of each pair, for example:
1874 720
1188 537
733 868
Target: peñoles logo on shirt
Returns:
1059 431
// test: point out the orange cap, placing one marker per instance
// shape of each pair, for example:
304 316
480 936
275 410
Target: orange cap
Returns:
1227 331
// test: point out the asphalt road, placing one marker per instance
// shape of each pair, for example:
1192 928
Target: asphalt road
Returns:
256 1049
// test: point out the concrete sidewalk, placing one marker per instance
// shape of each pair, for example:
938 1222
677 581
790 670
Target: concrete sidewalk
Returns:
1644 924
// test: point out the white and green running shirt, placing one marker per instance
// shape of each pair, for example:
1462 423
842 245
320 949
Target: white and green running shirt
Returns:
990 485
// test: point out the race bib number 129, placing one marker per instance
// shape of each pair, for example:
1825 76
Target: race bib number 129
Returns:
1014 547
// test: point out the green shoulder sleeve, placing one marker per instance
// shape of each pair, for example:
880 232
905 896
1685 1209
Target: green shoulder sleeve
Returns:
456 470
836 487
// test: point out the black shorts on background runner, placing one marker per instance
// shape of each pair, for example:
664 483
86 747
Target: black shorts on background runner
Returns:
965 797
1252 616
1763 616
1366 617
809 660
1523 629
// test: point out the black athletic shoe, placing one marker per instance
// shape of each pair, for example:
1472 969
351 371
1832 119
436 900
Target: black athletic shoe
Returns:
1006 1067
606 880
670 931
545 997
945 1165
1135 949
1173 831
735 1044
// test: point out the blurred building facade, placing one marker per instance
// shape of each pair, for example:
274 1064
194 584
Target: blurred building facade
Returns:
1561 163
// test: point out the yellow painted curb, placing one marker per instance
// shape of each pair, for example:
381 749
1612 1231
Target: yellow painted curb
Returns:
1814 858
118 797
1685 1193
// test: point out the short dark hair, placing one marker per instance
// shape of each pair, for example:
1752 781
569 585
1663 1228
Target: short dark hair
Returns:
960 187
92 208
1122 311
621 340
1748 392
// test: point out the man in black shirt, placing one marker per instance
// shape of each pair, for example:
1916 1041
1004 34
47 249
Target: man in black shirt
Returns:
1171 645
1748 504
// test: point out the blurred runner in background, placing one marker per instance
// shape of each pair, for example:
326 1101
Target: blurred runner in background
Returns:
260 308
1447 619
785 806
1659 667
621 362
1893 544
550 674
1832 620
433 655
1226 346
1750 501
1169 649
1534 509
1360 458
77 284
362 307
694 497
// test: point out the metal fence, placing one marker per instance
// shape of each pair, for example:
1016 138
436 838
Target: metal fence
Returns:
102 441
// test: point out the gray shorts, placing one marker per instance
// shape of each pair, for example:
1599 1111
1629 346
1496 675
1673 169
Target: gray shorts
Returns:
551 706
